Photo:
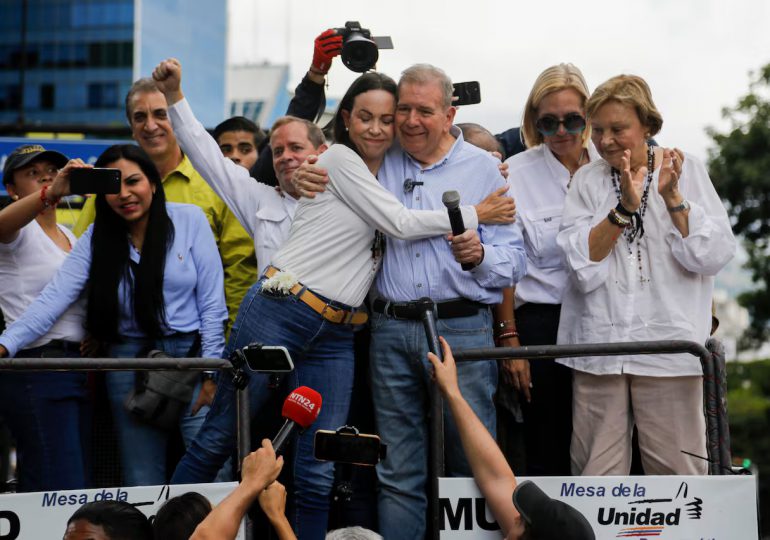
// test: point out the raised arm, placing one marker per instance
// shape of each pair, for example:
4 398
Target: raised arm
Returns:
490 469
230 181
700 236
260 469
19 214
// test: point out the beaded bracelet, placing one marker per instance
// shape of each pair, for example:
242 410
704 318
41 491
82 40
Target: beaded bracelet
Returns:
616 219
622 210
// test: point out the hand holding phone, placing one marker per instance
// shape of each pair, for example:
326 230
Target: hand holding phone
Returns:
60 186
466 93
94 181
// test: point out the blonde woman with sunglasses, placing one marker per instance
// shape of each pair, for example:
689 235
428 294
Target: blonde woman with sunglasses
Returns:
558 144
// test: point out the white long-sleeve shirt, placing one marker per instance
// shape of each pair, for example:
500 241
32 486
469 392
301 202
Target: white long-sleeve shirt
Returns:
539 184
330 250
330 246
264 213
605 301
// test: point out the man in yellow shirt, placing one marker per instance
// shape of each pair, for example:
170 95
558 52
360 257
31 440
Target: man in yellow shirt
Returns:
151 128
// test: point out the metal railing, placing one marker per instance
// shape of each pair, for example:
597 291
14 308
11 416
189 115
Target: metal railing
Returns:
714 394
713 376
142 364
717 430
147 364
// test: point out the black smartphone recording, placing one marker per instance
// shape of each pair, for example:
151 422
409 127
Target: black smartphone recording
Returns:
346 447
466 93
94 181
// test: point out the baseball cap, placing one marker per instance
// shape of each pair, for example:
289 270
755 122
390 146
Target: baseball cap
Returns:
547 518
24 155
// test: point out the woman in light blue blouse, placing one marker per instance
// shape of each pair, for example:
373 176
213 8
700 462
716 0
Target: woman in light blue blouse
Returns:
154 281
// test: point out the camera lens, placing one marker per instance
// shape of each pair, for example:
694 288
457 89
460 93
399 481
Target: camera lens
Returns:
359 54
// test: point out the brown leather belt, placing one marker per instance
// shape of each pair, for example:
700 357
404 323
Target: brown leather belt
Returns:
328 312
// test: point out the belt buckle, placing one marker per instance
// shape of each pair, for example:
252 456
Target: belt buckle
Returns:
333 310
394 307
406 306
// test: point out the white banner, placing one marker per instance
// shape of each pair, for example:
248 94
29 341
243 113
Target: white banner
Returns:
33 516
638 507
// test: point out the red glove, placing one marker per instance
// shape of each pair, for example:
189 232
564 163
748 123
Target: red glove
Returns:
327 46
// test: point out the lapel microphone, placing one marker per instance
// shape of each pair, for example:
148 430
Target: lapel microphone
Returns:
409 185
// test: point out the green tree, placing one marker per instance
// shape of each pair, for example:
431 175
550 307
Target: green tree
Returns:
739 166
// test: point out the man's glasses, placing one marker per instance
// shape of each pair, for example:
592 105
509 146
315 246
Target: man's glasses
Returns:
548 124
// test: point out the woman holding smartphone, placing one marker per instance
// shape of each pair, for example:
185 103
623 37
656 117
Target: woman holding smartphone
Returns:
46 411
153 280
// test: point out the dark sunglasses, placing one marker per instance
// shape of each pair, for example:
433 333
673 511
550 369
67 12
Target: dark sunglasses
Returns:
548 124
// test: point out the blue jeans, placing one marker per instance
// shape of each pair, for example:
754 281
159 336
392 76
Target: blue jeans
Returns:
400 374
142 446
323 360
47 413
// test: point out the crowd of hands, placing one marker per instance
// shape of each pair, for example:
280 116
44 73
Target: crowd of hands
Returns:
258 485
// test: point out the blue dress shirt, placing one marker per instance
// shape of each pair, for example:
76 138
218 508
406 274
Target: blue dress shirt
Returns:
418 268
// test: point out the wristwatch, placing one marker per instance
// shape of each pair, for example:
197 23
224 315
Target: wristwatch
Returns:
680 207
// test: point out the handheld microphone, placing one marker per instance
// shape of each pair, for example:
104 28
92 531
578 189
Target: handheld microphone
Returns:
451 200
300 410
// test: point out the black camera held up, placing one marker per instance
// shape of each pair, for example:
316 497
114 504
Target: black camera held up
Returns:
360 48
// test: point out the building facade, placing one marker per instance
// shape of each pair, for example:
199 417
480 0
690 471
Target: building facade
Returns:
82 56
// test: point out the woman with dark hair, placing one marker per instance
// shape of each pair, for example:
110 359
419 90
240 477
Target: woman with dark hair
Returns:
153 281
310 298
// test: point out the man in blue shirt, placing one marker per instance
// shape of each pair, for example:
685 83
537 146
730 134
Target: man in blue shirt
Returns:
433 158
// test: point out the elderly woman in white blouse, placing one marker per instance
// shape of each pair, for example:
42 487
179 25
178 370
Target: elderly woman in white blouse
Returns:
644 233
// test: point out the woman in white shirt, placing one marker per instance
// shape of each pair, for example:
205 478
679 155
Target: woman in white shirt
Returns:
308 300
644 233
558 142
45 410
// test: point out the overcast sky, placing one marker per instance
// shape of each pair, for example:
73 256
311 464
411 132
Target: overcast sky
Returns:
695 54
